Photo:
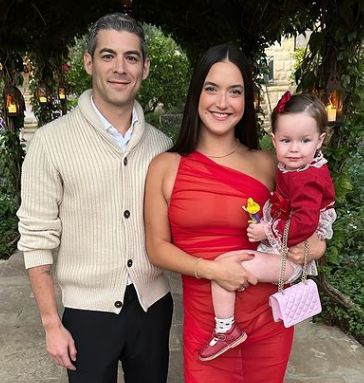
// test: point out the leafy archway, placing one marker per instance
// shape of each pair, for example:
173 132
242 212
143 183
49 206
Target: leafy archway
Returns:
45 28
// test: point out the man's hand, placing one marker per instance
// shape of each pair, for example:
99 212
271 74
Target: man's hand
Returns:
60 344
256 232
61 347
317 249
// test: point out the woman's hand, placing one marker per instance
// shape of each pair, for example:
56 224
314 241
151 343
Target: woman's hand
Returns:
317 249
230 274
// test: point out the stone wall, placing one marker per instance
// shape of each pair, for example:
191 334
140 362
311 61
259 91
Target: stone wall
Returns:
282 60
30 121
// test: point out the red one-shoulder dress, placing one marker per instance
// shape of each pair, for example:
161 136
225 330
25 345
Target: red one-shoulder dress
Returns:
207 219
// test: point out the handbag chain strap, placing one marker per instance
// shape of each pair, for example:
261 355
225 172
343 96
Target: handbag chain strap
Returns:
284 253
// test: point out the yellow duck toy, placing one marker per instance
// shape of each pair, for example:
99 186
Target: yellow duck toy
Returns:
252 208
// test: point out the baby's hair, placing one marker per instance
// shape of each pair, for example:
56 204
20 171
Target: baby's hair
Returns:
301 103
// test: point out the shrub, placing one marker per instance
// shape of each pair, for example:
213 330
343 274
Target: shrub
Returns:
344 268
168 123
169 76
8 225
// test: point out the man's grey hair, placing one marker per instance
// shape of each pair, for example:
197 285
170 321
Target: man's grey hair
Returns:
119 22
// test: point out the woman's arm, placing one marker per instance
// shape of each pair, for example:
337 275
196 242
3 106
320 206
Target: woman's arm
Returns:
160 178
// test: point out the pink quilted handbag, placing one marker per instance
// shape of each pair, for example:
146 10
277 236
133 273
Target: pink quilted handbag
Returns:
298 302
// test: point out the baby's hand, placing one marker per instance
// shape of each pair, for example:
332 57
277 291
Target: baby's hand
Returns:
256 232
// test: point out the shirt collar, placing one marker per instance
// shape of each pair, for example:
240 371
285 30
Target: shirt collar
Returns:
317 162
108 126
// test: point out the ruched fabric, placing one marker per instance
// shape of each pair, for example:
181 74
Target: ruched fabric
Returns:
207 219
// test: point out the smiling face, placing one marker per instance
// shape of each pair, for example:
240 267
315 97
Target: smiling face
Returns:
117 68
296 139
221 103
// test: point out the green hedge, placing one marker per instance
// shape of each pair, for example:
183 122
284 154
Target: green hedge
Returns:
8 225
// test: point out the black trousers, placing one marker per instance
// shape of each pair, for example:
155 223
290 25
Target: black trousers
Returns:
140 340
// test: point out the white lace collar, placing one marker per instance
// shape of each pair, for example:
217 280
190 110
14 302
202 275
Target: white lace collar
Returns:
317 162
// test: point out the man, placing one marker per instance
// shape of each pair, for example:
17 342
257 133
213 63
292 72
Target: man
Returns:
82 199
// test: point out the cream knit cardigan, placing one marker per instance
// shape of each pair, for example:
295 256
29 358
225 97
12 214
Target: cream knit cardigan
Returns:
77 190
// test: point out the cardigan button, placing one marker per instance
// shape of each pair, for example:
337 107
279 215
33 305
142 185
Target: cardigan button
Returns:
118 304
126 213
125 161
130 263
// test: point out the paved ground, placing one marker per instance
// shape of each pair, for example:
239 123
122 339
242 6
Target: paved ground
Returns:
321 354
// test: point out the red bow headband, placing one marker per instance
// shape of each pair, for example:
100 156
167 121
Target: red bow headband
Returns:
282 102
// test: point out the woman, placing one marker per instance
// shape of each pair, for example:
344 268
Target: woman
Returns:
193 213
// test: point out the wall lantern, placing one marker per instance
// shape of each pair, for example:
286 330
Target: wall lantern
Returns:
256 95
12 107
42 93
62 95
333 99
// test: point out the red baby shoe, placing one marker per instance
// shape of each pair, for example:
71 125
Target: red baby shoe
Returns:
222 342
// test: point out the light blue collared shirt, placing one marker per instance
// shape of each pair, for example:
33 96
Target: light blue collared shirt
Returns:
121 140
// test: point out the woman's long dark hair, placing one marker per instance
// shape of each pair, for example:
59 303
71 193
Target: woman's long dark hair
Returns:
245 129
